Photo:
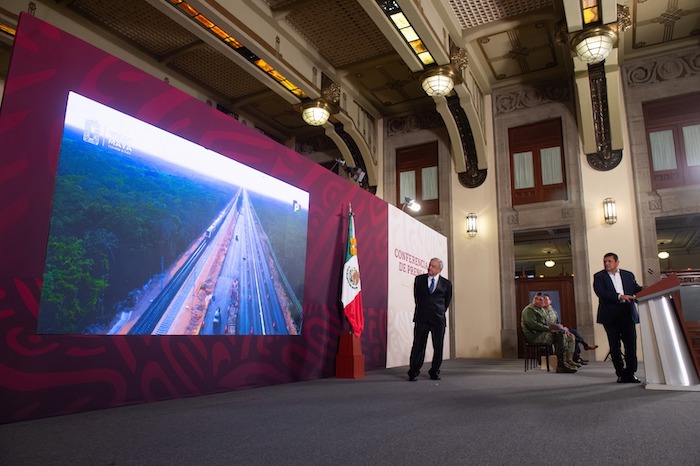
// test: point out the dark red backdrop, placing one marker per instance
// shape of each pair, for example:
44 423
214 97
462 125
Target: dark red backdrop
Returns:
44 375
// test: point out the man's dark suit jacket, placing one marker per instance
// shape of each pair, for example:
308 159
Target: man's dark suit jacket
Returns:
431 308
608 302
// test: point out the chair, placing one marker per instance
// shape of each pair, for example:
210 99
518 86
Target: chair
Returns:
610 357
533 353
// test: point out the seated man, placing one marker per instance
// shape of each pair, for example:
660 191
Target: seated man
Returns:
570 332
555 325
533 322
580 341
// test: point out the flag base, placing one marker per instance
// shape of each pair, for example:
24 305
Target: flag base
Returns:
349 362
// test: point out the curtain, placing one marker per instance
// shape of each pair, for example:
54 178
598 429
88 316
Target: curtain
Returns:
524 175
429 176
691 137
550 159
663 153
408 185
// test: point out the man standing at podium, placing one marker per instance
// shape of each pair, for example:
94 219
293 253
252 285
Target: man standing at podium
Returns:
617 311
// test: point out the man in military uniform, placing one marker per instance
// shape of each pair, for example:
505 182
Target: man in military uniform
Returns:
536 329
569 338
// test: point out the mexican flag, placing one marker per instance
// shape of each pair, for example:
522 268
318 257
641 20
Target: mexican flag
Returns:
351 295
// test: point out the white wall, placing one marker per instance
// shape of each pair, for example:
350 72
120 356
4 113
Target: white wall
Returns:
477 302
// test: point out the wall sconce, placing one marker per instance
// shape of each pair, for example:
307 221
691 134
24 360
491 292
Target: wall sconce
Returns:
549 263
411 204
664 255
609 211
439 81
471 224
316 112
594 45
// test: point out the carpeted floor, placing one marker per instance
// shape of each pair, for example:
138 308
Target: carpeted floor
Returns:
482 412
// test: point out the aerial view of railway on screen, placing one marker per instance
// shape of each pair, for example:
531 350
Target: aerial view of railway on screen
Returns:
153 234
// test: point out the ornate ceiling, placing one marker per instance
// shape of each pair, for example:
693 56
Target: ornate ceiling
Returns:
507 41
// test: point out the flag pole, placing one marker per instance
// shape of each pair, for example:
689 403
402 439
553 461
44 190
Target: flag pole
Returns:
351 217
349 362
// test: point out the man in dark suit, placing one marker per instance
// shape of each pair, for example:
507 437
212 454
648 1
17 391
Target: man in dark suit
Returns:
617 310
432 295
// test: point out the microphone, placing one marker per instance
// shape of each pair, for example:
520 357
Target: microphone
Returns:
654 275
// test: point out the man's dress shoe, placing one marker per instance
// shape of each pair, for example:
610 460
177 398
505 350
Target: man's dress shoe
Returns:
412 378
434 376
628 379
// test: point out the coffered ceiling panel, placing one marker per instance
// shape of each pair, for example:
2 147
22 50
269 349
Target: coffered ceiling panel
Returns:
339 30
277 4
390 82
659 21
222 76
474 13
679 233
136 22
520 50
276 111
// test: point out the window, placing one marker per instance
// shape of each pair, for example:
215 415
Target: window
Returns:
673 138
417 176
537 162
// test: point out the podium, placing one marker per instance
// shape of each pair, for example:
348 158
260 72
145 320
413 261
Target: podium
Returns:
668 362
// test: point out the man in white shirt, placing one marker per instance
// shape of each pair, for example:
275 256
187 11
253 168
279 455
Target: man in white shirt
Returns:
617 310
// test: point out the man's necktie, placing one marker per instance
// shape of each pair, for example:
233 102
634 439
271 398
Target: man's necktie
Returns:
432 284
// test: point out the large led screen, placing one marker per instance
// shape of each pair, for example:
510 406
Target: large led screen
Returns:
153 234
121 237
